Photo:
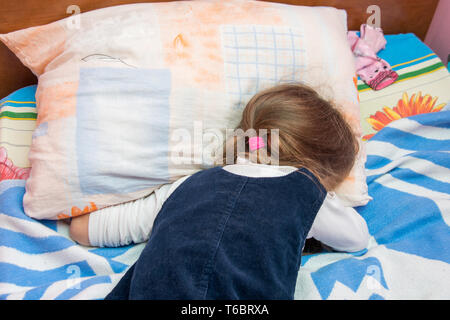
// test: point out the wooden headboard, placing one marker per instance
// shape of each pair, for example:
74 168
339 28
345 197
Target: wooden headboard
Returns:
397 16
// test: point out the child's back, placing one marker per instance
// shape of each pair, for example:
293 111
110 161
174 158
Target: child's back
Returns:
241 238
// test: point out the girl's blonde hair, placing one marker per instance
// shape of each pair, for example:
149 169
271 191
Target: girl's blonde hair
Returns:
312 133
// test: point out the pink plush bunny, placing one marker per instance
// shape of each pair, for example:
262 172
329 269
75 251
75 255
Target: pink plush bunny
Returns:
373 70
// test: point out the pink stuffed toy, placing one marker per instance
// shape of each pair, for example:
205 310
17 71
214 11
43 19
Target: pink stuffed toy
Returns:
373 70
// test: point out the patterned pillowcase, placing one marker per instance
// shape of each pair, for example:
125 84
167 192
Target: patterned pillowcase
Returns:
133 97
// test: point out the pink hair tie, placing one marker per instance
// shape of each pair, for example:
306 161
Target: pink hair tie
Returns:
255 143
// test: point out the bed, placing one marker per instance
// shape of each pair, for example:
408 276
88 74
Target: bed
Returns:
407 131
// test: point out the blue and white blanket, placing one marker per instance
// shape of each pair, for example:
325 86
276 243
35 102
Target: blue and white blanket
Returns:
408 173
38 260
408 257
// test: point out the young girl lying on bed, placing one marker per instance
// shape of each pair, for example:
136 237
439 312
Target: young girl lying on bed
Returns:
237 231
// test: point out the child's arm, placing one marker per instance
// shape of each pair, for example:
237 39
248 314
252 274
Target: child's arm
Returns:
121 224
339 227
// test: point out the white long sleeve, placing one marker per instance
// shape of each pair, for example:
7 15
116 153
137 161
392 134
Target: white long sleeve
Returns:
339 227
129 222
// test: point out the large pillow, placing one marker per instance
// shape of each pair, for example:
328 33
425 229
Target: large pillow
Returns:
129 98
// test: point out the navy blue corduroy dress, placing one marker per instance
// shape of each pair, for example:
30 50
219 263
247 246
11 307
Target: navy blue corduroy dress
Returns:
225 236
